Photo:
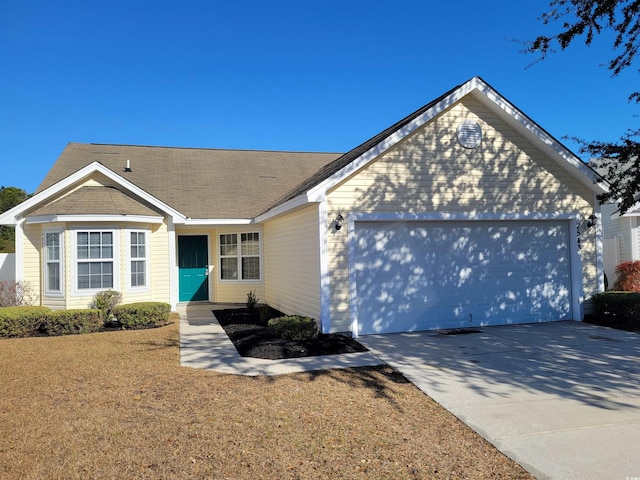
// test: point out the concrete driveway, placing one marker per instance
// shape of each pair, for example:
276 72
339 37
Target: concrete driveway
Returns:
562 399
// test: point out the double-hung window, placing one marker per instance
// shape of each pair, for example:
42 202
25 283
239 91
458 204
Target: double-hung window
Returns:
138 259
52 262
240 256
95 259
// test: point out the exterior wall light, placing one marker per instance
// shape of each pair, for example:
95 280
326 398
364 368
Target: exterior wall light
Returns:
591 221
337 223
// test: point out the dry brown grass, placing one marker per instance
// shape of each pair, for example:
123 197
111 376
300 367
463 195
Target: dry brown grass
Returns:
118 405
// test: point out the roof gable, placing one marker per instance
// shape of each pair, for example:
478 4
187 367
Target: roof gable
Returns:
316 187
57 189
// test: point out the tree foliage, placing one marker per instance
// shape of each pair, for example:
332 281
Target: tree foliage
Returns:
618 161
9 198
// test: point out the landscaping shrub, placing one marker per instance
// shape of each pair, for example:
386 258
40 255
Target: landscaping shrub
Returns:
105 302
16 294
294 327
142 314
21 321
628 277
70 322
265 313
252 300
617 309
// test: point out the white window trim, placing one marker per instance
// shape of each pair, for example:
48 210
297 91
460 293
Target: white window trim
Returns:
239 258
146 287
86 292
61 254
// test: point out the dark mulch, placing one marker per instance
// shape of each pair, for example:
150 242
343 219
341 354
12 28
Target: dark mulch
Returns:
252 338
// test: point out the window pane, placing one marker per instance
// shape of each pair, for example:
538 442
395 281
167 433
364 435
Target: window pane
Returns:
138 245
95 275
138 273
251 268
95 281
83 282
228 244
52 241
83 252
53 253
94 238
94 251
53 277
107 252
250 243
229 268
83 238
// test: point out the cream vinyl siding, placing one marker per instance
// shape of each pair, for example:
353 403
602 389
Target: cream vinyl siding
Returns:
431 172
32 248
292 263
160 270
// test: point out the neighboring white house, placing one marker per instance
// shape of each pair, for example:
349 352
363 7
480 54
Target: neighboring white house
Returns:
621 238
7 266
464 213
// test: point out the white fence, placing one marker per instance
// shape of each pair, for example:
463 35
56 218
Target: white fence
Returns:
7 266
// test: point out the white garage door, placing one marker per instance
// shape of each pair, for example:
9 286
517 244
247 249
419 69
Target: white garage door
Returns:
427 275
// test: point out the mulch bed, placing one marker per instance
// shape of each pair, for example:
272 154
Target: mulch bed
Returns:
253 338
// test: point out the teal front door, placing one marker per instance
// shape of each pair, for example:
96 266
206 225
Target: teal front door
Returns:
193 268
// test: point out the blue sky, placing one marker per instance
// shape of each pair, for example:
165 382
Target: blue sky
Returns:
275 75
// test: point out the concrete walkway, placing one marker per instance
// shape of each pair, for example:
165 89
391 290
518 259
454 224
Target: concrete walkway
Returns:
562 399
205 345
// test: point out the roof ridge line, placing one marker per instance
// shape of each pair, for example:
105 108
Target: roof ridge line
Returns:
206 148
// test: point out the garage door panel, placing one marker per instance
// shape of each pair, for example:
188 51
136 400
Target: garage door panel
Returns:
422 275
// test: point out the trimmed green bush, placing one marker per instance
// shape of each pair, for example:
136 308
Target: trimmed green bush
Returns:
70 322
141 314
294 327
617 309
21 321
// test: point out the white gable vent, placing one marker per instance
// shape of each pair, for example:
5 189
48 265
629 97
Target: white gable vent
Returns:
469 134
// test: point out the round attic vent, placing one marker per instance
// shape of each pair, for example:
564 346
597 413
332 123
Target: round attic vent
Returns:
469 134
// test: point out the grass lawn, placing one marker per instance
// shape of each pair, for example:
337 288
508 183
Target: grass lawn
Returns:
118 405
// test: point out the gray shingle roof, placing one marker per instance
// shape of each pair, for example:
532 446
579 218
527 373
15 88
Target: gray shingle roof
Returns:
200 183
218 184
97 201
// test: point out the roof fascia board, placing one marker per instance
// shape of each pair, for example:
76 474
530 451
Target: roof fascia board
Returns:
285 207
217 221
10 216
95 218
